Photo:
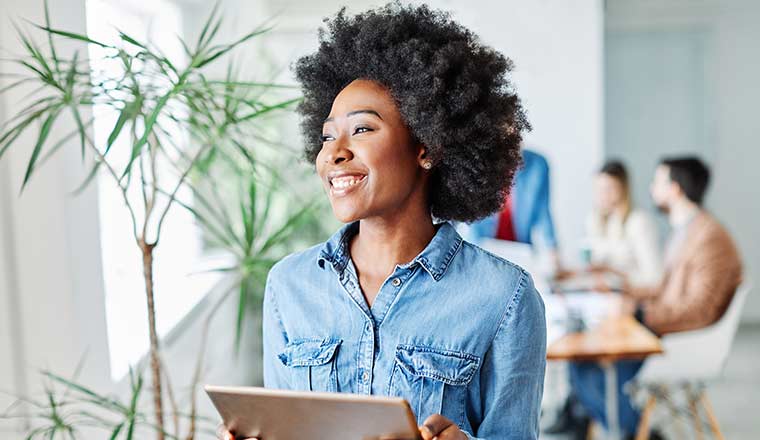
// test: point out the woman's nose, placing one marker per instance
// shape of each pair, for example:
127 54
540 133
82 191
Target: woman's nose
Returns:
338 151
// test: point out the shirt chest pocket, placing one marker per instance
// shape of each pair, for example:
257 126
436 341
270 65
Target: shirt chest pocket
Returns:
312 364
434 381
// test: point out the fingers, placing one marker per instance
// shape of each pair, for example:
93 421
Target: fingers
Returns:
232 437
223 434
434 426
451 433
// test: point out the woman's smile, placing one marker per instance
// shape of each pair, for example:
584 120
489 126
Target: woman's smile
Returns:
342 183
369 163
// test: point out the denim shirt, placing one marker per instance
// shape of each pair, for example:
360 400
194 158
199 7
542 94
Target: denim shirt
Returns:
457 331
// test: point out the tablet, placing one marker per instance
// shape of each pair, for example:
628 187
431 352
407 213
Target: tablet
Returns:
288 415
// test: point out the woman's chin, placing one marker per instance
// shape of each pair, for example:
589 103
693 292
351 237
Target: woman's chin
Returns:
346 215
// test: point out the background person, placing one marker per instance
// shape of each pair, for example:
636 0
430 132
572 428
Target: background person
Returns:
624 240
702 271
526 213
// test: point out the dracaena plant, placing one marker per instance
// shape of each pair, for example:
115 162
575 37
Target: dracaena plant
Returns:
158 101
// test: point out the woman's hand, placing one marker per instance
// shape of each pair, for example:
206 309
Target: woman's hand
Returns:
435 427
439 427
601 285
223 434
596 267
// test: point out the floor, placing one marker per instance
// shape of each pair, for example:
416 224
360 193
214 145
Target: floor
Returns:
735 397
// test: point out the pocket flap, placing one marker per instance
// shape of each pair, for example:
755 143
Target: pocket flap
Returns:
450 367
309 352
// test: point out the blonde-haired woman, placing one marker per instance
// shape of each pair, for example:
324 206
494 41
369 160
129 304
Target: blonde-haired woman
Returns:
624 240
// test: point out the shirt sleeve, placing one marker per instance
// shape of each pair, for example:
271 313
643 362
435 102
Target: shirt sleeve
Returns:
544 221
704 290
512 375
276 374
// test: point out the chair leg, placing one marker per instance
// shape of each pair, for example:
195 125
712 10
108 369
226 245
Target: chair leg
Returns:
677 421
711 416
642 433
693 398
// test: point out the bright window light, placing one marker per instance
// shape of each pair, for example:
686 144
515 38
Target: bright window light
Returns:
179 257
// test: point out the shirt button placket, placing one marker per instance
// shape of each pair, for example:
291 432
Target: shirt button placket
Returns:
366 375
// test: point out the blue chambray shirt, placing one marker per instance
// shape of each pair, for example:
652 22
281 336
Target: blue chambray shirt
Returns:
456 331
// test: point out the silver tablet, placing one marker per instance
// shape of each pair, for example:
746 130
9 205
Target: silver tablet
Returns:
289 415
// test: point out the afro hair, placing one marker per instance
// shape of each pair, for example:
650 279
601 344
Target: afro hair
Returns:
452 91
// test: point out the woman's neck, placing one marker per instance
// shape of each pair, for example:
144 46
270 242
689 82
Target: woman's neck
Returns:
388 241
621 210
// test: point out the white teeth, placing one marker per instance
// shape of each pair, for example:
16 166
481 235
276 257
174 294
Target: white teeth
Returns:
345 182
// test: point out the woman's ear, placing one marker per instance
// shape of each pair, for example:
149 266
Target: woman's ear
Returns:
421 152
423 160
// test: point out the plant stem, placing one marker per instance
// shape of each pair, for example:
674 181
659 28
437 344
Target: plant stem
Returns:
172 400
155 362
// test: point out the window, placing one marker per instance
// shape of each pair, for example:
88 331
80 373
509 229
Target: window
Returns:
179 280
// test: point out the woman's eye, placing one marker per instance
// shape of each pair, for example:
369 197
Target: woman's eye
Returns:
359 130
325 138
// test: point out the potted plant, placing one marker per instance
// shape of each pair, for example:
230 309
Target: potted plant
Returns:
156 98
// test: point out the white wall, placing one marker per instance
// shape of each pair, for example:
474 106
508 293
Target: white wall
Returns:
52 304
682 77
735 194
557 50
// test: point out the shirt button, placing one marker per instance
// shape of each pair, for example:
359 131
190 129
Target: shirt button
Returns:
365 377
396 282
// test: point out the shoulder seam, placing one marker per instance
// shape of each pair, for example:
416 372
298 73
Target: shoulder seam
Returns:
490 254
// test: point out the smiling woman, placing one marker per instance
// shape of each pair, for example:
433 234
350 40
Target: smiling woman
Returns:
411 123
368 158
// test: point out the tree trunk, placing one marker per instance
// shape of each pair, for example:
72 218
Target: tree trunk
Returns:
155 364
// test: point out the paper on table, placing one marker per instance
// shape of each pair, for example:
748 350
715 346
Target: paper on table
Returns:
591 307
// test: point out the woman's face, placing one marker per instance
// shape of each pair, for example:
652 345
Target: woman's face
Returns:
369 164
609 193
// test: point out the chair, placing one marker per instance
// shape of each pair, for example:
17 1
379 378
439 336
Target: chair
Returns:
691 359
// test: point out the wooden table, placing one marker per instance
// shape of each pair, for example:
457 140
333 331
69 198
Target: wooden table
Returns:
616 338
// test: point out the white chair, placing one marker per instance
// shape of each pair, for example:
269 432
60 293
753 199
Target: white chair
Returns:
691 359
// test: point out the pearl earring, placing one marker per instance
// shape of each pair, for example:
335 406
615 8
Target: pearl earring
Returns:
427 164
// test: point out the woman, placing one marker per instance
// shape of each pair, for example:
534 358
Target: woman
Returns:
624 241
411 123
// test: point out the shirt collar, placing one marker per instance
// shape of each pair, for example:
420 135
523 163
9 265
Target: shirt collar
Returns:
435 258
